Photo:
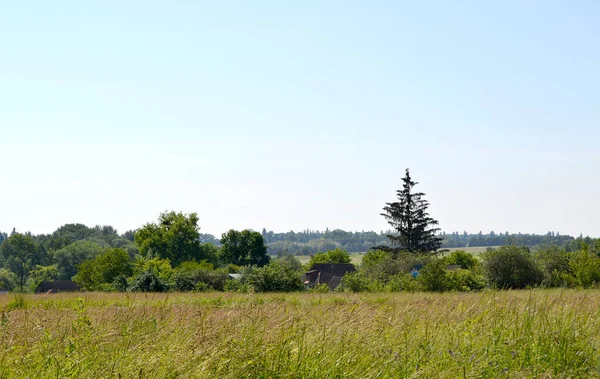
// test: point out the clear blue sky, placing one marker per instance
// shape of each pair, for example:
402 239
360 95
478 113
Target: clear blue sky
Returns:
300 115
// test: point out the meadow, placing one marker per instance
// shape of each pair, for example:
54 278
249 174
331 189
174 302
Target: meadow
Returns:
355 258
516 334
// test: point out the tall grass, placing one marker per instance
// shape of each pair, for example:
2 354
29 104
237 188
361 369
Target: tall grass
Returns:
516 334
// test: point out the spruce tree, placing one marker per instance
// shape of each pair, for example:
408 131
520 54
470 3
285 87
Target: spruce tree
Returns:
415 229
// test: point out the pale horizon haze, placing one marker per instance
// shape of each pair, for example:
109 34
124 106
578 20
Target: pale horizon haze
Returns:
300 115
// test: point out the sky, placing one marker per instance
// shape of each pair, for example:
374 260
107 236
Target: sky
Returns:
300 115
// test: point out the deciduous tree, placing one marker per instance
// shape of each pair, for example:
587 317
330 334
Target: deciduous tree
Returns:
243 248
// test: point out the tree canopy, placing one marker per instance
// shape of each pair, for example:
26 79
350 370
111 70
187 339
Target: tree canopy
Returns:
243 248
175 237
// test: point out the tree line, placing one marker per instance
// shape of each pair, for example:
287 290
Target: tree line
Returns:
172 254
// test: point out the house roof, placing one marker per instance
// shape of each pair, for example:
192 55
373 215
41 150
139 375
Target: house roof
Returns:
334 269
57 286
330 273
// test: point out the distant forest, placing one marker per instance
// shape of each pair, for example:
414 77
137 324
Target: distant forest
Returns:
310 242
306 242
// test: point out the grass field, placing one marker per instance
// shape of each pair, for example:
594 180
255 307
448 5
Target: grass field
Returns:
355 258
516 334
473 250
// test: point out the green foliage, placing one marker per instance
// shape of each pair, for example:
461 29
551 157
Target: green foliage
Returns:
390 265
290 262
20 254
17 302
464 280
354 282
243 248
277 276
148 281
511 267
103 269
415 230
462 258
175 237
196 276
433 276
332 256
403 282
8 280
585 267
120 283
234 285
160 267
69 257
374 257
320 288
554 263
41 274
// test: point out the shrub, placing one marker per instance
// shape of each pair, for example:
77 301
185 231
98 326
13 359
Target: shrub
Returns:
433 275
585 267
462 258
120 283
189 279
382 267
8 280
320 288
464 280
148 281
234 285
274 277
103 269
511 267
374 257
554 263
403 282
160 267
354 282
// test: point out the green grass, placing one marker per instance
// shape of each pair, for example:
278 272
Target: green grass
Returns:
473 250
355 258
511 334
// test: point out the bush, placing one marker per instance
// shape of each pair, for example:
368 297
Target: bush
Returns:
320 288
374 257
190 279
383 266
120 283
403 282
234 285
433 276
8 280
554 263
354 282
585 267
462 258
464 280
103 269
511 267
160 267
148 281
277 276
